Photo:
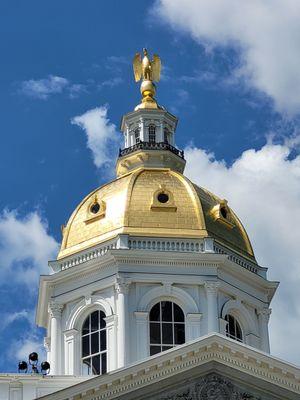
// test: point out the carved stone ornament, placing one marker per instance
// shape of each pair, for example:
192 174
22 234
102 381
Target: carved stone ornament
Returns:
211 387
55 309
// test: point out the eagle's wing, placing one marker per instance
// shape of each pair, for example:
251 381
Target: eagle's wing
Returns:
156 67
137 67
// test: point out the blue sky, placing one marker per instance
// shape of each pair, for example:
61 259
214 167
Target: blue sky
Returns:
230 75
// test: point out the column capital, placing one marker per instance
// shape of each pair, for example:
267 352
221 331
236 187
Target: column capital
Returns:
111 320
265 313
70 334
141 316
122 286
194 318
212 286
55 309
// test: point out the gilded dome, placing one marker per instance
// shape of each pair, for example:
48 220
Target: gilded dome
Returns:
157 202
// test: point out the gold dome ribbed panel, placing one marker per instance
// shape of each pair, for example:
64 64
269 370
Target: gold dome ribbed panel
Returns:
130 206
80 234
143 218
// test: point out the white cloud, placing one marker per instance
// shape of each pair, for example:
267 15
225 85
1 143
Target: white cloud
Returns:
21 348
10 318
102 135
43 88
25 247
267 33
263 187
76 89
113 82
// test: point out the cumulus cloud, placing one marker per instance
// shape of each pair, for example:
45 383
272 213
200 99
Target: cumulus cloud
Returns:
263 187
25 247
102 135
43 88
266 34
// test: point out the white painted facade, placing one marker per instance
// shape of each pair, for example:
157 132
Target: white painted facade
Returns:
126 282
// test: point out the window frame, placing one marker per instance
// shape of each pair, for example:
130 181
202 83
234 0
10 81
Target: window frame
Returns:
161 322
237 328
152 134
100 352
137 137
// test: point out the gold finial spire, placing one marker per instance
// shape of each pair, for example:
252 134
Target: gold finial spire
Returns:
148 71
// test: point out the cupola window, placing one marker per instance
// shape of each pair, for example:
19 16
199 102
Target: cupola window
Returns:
233 329
152 134
167 326
93 344
137 136
166 135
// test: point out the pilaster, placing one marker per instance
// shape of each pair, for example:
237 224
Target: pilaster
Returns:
193 330
142 334
72 356
212 288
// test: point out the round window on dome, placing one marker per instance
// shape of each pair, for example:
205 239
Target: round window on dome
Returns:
162 197
95 208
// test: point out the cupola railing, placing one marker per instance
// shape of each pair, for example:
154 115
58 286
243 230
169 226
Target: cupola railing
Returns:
151 146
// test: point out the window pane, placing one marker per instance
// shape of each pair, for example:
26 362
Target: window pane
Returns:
238 331
231 326
103 340
86 367
95 321
85 345
155 312
164 348
96 365
154 350
155 333
102 320
167 334
179 334
178 314
86 326
166 310
103 363
95 343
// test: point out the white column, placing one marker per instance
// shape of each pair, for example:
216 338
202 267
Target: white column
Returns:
111 322
122 289
142 334
212 306
142 130
263 318
55 311
193 330
72 360
160 135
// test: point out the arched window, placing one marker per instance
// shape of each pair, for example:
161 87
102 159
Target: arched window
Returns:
93 344
233 329
152 136
137 135
167 328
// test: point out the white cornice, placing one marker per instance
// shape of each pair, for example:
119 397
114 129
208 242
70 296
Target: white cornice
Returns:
212 348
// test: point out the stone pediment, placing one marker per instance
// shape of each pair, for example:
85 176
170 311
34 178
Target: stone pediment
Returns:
211 368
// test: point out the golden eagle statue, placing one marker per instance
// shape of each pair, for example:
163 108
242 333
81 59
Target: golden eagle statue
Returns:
146 69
